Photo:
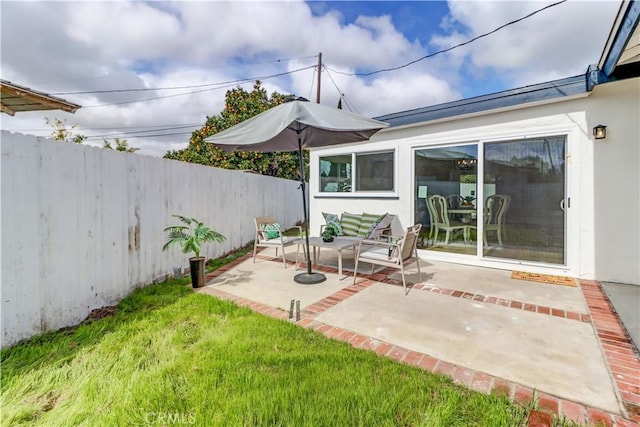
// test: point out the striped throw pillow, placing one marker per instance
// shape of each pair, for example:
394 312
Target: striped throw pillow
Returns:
369 221
350 223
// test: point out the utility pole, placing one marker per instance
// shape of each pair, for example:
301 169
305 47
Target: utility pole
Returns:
319 74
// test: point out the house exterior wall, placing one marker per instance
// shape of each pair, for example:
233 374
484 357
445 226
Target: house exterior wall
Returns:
592 216
616 181
82 226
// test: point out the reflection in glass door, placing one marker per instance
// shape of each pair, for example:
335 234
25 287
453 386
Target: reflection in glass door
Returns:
446 199
524 216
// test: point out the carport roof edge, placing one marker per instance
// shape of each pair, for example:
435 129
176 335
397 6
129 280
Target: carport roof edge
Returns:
15 98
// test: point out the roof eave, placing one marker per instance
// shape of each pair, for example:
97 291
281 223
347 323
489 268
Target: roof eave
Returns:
501 110
624 27
557 90
46 101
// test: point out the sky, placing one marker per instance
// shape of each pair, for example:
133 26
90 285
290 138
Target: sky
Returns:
185 55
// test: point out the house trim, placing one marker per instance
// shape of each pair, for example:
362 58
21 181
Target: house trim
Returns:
524 97
624 28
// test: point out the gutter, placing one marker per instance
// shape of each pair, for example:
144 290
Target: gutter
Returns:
582 95
524 97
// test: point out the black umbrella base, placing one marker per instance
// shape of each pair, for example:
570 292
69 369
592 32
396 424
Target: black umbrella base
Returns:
309 278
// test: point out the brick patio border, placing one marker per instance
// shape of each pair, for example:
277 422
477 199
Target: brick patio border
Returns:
624 364
621 355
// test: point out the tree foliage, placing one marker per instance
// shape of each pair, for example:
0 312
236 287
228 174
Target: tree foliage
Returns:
121 145
240 105
63 133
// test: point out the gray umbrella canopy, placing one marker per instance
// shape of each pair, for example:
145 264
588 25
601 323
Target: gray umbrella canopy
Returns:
277 129
292 126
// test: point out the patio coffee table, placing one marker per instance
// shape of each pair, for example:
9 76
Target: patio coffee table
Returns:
338 244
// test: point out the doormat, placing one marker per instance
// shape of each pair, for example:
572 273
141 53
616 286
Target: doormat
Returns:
544 278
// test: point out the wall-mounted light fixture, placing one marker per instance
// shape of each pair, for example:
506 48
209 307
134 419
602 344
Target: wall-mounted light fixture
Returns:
600 132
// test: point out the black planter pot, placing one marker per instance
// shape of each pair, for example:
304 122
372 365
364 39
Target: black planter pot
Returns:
197 271
327 239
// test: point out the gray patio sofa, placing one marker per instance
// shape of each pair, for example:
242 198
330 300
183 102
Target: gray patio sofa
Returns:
360 226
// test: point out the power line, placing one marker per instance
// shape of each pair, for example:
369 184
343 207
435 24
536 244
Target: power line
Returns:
481 98
431 55
349 104
333 81
127 134
202 90
244 64
313 80
143 136
87 92
342 95
154 128
164 88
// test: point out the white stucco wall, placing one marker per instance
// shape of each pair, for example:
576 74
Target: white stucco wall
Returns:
82 226
592 216
616 181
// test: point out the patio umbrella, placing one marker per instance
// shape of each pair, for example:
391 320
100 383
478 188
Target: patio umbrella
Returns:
292 126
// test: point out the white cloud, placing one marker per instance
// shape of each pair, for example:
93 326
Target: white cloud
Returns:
384 93
122 31
81 46
558 42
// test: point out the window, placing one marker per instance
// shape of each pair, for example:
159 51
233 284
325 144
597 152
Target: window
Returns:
358 172
335 174
374 172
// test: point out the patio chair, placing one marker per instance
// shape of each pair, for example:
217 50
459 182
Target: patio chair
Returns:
394 253
272 237
442 220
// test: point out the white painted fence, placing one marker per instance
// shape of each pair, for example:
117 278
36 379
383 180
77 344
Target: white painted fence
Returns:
82 226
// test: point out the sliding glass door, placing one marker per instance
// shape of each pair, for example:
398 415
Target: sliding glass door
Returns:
521 213
446 199
525 218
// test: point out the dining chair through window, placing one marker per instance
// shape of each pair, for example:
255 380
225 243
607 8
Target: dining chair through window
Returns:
443 221
496 208
453 201
433 225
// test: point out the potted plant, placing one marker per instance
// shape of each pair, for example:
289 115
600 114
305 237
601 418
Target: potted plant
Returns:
330 231
191 236
467 201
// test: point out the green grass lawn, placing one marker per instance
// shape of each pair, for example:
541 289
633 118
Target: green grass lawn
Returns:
171 356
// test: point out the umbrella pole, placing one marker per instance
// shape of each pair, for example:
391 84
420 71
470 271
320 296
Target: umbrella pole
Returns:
307 278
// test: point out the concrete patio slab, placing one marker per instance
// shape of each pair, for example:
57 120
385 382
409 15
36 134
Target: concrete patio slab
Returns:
550 354
499 283
270 283
479 326
486 281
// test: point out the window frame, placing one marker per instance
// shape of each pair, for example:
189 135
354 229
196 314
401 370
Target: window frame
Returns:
354 171
571 135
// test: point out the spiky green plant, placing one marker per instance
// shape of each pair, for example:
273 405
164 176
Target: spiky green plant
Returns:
190 236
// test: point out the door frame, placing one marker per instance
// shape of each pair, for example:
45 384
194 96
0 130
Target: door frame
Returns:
572 189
